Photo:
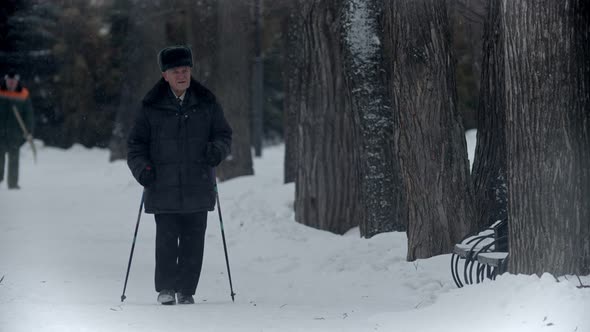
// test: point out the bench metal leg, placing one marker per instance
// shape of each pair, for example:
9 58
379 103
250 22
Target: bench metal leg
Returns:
480 272
454 271
465 267
459 283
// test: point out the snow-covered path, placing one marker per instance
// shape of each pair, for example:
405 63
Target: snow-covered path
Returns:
65 241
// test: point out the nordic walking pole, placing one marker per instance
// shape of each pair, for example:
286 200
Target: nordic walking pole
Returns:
223 237
123 297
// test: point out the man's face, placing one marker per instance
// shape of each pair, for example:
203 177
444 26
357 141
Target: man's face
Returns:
179 78
11 83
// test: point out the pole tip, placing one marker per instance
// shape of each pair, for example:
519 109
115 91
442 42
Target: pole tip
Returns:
123 297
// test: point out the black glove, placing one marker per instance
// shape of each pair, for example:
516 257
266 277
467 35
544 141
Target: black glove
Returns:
212 155
147 176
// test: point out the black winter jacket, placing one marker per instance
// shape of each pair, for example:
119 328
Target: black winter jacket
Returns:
173 140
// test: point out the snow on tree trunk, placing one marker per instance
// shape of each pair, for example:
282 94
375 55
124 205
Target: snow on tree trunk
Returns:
381 183
489 166
327 183
433 151
546 49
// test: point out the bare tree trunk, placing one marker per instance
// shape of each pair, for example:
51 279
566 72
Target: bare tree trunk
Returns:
294 84
547 131
327 184
489 166
433 152
257 90
381 189
467 21
144 40
77 84
233 85
202 26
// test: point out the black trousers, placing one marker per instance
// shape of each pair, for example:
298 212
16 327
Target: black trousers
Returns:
13 158
180 241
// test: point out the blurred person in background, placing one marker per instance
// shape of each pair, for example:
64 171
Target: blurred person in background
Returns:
13 96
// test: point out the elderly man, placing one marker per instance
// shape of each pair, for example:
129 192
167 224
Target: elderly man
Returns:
13 96
179 135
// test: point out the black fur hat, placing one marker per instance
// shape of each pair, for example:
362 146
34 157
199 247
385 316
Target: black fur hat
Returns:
175 56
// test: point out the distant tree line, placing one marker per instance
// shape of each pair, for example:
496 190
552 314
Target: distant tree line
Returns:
371 99
74 57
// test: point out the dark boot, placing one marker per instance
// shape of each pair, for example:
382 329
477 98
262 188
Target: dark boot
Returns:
2 162
185 298
166 297
13 164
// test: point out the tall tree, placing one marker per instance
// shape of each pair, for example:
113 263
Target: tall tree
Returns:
381 188
82 52
547 75
234 80
327 186
489 166
275 16
76 100
432 146
143 40
201 34
294 84
467 21
257 90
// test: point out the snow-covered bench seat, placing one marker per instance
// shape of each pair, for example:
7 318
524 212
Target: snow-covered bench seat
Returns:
474 254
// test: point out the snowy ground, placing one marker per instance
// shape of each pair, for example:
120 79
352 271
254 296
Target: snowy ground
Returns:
65 241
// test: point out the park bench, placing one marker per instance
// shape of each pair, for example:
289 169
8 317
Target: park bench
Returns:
480 256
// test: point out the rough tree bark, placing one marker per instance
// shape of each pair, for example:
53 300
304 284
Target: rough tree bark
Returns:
489 166
547 75
433 152
234 81
381 189
327 181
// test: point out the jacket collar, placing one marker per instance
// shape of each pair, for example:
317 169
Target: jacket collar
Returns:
160 96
